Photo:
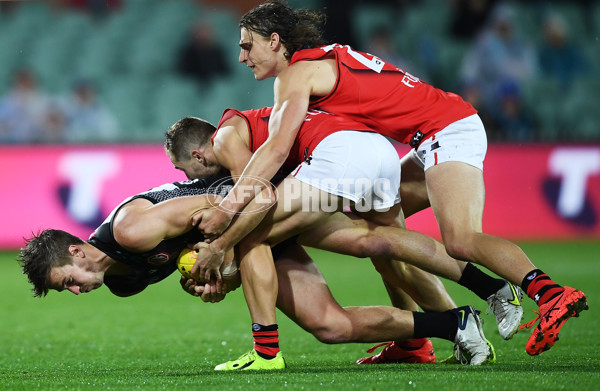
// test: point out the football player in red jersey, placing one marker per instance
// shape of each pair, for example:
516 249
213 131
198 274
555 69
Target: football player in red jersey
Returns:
447 136
189 144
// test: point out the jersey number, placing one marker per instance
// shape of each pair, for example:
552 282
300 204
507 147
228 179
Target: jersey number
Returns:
374 63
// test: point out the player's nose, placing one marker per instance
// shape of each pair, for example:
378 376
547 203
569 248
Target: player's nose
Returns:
243 56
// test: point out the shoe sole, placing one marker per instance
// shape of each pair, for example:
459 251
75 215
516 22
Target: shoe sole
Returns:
491 354
249 367
407 360
422 355
490 360
544 340
514 331
492 357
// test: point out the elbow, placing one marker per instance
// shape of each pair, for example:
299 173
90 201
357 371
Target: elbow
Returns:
275 149
280 155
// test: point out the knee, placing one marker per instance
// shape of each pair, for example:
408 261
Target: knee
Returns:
393 272
459 246
331 336
331 332
388 266
371 245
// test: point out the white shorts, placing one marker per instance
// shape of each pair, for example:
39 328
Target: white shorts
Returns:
461 141
363 167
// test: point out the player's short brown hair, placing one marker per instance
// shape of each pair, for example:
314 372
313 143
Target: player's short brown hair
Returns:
187 134
43 252
296 28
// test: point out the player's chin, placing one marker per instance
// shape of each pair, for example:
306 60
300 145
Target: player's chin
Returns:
258 75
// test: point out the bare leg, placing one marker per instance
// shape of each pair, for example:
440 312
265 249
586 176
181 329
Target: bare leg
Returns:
457 196
347 234
407 285
306 299
259 282
392 272
413 188
425 289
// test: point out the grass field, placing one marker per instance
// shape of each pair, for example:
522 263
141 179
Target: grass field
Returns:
165 339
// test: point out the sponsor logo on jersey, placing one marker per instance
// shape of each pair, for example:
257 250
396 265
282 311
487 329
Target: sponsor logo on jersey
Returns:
416 139
158 259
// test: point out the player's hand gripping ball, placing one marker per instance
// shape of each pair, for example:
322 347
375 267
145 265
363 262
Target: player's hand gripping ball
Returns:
187 259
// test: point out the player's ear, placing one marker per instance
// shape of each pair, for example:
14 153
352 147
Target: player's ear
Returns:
76 251
196 154
275 41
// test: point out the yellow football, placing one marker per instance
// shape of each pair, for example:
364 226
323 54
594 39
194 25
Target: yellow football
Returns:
186 261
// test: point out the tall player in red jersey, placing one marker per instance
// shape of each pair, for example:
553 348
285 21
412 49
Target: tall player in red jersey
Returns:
447 135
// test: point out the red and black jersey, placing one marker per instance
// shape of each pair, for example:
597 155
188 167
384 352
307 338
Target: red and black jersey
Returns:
317 125
383 96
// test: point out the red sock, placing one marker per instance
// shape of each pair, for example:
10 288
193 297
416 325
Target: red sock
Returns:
539 287
266 340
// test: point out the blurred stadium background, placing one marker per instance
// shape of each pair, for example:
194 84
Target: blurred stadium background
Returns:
128 49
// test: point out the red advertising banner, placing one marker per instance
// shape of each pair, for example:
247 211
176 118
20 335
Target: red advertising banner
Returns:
73 188
533 191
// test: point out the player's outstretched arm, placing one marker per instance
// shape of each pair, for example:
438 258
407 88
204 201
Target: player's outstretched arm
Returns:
292 96
141 225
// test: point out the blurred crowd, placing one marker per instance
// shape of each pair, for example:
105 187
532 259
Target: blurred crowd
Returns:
500 69
506 73
30 115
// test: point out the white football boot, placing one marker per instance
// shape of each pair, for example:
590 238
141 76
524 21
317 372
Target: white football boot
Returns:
470 345
505 304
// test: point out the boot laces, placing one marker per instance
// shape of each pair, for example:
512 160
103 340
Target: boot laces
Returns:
541 316
386 344
530 324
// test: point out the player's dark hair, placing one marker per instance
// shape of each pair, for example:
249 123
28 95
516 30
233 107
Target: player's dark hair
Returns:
187 134
42 252
296 28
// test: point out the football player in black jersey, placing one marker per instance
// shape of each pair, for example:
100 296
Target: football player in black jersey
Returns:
135 246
